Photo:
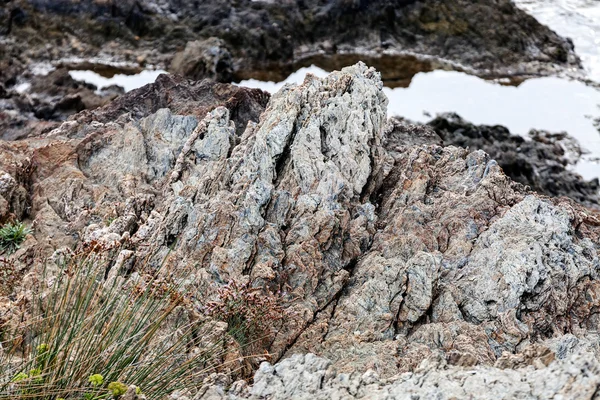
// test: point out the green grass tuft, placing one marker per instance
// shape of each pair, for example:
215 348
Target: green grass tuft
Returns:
90 332
12 235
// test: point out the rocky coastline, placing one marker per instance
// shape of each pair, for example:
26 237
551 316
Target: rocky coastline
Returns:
438 260
391 252
236 39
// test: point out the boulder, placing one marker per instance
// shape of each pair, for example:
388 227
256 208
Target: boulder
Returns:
204 59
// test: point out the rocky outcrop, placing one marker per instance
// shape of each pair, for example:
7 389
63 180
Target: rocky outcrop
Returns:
270 38
204 59
386 251
483 37
181 97
36 167
541 163
44 101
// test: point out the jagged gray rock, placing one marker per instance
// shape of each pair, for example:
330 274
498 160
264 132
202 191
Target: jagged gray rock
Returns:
542 162
311 377
387 251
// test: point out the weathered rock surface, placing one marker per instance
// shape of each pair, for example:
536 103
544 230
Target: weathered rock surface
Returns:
388 251
181 97
540 163
311 377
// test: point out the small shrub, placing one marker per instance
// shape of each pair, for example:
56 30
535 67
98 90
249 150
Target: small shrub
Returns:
11 236
96 379
88 331
252 314
9 275
117 388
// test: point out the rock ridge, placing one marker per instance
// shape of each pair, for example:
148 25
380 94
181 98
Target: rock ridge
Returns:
393 254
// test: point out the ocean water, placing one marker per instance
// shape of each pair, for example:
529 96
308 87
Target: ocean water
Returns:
127 82
576 19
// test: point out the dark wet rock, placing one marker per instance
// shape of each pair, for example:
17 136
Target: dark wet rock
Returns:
541 163
69 104
44 111
18 16
113 89
204 59
11 16
487 37
52 97
3 92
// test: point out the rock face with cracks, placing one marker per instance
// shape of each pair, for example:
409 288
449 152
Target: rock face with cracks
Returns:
542 163
408 267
